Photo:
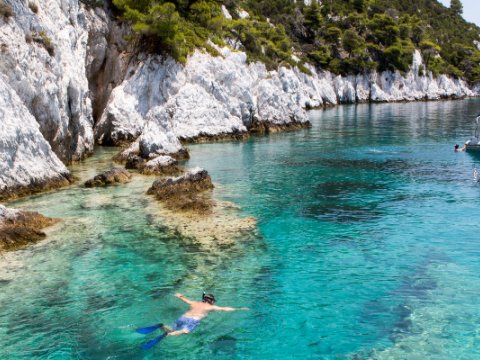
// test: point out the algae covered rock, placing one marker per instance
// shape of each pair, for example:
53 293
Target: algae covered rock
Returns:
20 228
186 192
161 165
113 176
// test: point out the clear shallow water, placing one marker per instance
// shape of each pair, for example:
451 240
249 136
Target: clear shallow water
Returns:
368 247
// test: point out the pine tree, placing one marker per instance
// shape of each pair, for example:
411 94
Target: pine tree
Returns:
456 6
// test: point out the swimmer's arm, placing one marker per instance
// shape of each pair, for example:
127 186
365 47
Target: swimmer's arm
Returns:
183 298
219 308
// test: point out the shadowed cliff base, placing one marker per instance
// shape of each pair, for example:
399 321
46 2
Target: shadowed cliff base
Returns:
21 228
207 138
35 187
261 127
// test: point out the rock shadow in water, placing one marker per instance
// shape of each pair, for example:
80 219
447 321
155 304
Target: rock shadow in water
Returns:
342 202
413 286
225 345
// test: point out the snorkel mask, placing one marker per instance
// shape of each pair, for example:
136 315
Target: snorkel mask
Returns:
208 298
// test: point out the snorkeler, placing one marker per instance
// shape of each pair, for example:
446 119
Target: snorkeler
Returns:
457 148
189 320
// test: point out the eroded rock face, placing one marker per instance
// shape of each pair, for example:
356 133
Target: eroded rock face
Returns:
187 192
108 55
21 228
27 162
43 60
110 177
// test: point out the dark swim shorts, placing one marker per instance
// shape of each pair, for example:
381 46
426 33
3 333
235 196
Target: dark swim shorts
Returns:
185 323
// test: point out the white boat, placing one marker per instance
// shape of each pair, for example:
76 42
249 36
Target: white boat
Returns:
474 143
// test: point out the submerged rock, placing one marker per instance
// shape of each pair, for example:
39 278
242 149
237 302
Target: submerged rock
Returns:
186 192
109 177
20 228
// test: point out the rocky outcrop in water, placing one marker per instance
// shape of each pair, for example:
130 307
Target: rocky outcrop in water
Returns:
110 177
186 192
21 228
161 165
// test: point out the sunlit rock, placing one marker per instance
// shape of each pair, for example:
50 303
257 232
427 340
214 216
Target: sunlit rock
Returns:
20 228
186 193
110 177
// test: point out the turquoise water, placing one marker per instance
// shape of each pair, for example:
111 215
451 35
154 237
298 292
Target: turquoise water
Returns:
367 247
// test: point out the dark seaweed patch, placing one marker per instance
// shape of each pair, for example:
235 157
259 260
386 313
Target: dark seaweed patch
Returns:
98 302
338 189
343 213
224 345
343 202
363 164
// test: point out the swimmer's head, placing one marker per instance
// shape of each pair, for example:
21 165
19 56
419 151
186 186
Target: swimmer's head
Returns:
208 298
456 146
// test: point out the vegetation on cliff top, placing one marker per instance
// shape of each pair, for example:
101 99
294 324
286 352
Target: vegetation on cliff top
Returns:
343 36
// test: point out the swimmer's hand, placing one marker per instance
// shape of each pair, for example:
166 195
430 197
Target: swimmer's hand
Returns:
183 298
244 308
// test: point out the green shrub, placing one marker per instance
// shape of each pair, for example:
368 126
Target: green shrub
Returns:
44 39
343 36
6 10
304 69
421 70
33 6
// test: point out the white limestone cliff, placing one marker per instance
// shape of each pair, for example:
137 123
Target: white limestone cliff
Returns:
161 101
43 60
27 162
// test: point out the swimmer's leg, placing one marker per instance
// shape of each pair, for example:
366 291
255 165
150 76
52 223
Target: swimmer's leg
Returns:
167 328
178 332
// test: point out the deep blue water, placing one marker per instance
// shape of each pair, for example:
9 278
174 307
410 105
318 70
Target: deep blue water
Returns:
367 246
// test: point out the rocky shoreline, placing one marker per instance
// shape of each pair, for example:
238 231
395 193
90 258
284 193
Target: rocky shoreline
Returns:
94 87
34 187
21 228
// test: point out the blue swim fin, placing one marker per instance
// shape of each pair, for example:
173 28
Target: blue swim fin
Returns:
149 329
153 342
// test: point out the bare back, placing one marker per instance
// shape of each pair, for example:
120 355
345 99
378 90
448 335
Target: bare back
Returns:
198 310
